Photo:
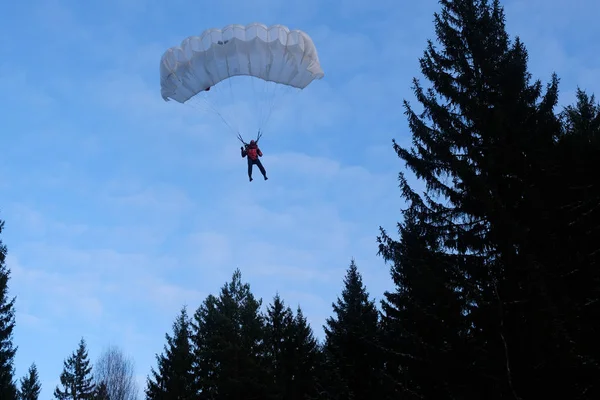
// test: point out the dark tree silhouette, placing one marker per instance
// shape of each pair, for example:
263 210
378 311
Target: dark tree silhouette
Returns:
8 388
30 385
76 378
174 379
351 342
229 344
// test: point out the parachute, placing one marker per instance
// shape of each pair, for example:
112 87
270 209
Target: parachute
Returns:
272 54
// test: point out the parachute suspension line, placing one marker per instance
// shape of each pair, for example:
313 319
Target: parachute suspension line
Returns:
195 104
231 91
264 89
286 65
226 123
270 95
269 99
211 107
257 101
273 103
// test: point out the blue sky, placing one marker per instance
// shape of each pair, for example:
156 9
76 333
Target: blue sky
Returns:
120 207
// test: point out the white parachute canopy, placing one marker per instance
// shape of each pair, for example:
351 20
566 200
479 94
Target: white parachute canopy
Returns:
273 54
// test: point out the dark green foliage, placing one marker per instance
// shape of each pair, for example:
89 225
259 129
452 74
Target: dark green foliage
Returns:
206 349
76 379
30 385
8 389
101 392
228 344
292 353
279 349
306 360
565 237
174 379
351 344
480 299
423 319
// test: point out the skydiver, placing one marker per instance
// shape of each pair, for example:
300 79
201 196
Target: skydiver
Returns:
253 152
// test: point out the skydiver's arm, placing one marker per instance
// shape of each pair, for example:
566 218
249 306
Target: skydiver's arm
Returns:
258 152
243 152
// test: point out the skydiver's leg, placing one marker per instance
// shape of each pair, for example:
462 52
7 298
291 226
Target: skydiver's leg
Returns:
250 169
262 169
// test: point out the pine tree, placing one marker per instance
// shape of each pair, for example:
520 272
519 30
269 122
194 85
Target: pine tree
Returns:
423 326
351 342
482 145
279 330
174 379
306 360
228 343
292 353
101 392
76 378
8 388
30 385
564 241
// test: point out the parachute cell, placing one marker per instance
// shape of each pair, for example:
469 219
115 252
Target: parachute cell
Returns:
275 54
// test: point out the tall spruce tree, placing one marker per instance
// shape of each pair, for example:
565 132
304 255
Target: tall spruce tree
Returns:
8 388
174 379
279 350
30 385
423 323
228 343
351 342
564 244
207 349
76 378
483 145
292 353
306 361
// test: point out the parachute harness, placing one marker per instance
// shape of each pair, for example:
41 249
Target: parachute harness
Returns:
246 144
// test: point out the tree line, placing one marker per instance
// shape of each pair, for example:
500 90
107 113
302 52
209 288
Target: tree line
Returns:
495 267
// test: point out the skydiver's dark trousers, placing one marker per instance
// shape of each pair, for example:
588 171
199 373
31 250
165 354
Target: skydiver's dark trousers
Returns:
251 162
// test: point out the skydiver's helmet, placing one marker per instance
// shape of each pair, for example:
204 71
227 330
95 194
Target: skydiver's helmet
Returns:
252 143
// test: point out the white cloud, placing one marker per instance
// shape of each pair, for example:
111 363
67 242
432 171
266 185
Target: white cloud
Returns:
156 198
211 249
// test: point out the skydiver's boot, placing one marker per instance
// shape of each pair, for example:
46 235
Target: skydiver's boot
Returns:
250 178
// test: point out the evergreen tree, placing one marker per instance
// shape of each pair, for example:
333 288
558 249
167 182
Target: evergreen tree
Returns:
30 385
207 347
279 349
101 392
351 342
564 243
485 145
8 389
423 325
292 353
76 378
306 361
228 343
174 379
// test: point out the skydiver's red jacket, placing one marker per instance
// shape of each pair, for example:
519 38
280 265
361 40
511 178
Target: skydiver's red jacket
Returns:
252 151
